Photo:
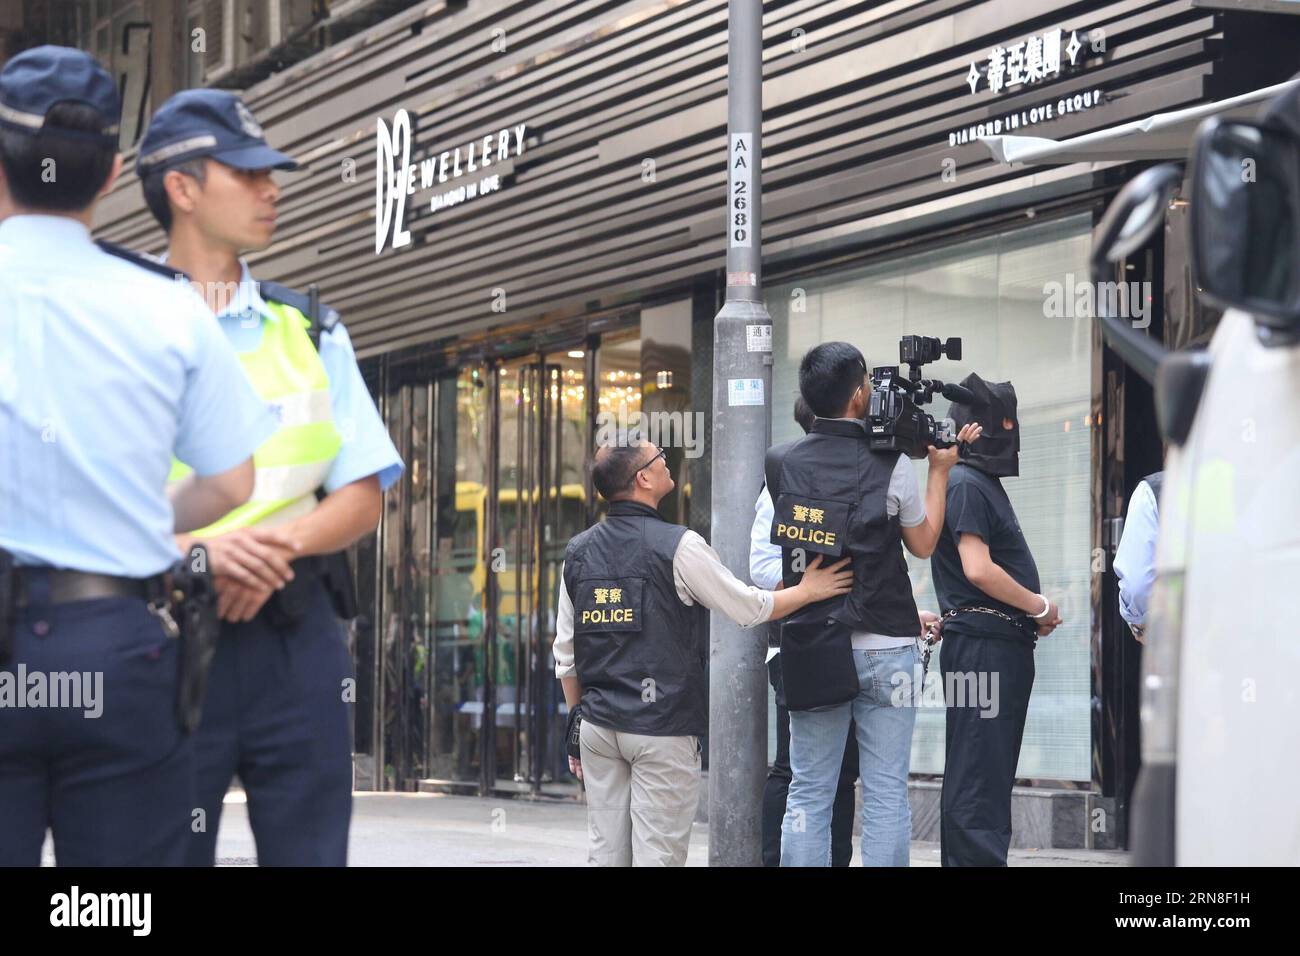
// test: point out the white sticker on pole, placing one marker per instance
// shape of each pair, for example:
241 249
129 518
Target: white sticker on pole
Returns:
740 169
758 338
744 391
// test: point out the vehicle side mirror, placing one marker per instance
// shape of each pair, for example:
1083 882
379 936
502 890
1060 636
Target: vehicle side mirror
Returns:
1180 380
1133 216
1130 220
1245 217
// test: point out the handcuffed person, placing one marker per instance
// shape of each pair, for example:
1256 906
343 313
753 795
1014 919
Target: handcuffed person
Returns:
987 584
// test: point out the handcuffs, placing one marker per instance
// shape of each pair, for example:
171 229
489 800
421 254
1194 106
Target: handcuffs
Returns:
932 628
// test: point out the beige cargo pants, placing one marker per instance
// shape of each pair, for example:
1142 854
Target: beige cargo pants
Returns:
642 793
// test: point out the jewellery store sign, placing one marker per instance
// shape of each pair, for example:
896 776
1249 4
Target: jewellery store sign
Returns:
1017 66
453 176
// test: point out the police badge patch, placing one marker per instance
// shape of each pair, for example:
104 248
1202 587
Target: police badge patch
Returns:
608 604
246 121
810 523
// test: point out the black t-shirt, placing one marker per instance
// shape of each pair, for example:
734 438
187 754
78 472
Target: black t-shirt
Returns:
978 504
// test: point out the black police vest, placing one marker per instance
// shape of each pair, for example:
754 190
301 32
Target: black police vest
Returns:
639 651
829 494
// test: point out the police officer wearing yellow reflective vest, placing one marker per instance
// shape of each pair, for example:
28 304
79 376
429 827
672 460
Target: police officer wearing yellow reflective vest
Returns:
106 367
630 648
276 712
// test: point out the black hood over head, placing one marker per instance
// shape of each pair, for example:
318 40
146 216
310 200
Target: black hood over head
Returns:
996 452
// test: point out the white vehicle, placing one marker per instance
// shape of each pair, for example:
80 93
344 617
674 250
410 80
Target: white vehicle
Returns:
1220 705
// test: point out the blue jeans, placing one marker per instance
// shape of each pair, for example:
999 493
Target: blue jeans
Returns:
884 750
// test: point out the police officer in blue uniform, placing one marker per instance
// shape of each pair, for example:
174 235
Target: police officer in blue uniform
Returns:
1135 559
106 367
277 710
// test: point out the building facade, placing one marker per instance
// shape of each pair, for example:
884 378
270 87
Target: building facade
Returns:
518 208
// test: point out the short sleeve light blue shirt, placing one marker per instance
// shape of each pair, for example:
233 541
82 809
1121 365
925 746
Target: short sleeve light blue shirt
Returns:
367 448
106 369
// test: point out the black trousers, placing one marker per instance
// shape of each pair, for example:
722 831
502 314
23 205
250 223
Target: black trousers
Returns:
778 786
276 715
987 682
113 781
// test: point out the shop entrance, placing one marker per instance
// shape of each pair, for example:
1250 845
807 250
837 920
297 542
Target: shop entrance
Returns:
466 567
541 502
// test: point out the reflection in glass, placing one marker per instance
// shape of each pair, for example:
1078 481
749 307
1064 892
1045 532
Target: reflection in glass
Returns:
618 372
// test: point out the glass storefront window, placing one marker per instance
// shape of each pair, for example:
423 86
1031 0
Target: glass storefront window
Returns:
619 393
990 292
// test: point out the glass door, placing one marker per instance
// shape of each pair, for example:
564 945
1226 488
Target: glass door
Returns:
541 504
456 674
513 561
564 451
461 583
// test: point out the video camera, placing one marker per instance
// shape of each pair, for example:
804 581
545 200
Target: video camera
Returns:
895 421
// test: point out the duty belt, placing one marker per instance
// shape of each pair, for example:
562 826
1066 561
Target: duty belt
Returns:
24 586
66 587
182 593
287 606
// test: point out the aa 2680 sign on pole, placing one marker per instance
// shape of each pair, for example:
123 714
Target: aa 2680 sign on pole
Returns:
742 386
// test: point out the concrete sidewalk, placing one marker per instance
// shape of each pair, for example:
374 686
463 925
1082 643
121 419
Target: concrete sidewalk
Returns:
421 829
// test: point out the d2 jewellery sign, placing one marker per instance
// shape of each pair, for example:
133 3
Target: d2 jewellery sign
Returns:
395 174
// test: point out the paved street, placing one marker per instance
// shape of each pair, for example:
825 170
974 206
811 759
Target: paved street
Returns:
416 829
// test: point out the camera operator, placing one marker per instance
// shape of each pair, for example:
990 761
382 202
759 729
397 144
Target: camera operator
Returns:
987 584
833 495
765 572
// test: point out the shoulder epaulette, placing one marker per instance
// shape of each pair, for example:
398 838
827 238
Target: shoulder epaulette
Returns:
276 292
143 261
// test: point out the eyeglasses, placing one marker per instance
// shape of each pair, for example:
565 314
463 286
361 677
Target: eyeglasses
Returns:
662 454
